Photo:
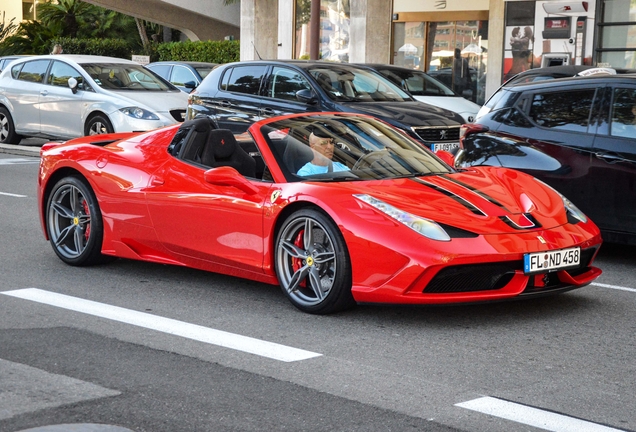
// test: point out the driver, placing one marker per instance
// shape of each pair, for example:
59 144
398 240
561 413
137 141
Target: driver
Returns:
322 145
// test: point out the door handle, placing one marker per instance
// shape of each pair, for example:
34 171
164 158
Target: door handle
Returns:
225 103
609 157
267 112
44 92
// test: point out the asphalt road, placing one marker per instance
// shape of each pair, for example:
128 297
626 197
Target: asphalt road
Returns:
161 348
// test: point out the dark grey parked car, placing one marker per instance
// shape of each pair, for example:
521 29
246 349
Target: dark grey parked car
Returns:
186 76
236 95
576 134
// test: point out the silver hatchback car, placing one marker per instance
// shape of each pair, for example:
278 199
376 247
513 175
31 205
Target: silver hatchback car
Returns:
67 96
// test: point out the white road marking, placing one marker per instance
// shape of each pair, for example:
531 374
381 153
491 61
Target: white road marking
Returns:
18 161
179 328
538 418
13 195
616 287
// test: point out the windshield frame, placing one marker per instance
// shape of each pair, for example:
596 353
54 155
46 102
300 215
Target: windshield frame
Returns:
369 148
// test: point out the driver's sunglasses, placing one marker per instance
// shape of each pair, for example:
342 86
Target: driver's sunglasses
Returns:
325 142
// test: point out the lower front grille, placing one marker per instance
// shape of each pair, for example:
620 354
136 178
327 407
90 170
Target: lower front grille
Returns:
178 114
437 134
476 277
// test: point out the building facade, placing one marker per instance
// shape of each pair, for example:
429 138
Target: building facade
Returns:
496 38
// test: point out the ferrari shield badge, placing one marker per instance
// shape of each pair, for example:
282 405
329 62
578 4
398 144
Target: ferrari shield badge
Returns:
274 196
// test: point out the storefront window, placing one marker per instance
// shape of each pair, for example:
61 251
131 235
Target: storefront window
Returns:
618 34
431 47
334 30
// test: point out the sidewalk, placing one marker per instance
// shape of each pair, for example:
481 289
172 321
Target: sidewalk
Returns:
31 149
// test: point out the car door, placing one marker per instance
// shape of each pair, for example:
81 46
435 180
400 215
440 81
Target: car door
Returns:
237 104
613 170
280 93
60 107
24 94
559 123
203 221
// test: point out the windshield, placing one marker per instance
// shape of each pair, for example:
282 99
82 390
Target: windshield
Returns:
203 70
346 84
118 76
417 83
344 148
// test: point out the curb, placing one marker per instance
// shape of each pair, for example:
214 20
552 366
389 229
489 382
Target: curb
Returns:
33 151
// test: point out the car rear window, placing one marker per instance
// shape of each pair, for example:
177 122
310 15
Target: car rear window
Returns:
244 79
34 71
564 110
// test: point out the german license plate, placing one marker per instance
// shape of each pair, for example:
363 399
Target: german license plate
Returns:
449 147
539 262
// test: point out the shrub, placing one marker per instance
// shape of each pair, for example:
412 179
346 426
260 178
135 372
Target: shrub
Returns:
204 51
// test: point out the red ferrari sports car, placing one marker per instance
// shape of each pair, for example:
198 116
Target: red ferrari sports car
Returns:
336 208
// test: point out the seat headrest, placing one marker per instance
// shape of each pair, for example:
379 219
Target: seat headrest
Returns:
223 143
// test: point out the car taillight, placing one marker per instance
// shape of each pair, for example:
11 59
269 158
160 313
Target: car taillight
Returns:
470 128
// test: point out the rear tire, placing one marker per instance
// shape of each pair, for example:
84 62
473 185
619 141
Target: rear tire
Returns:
97 125
7 128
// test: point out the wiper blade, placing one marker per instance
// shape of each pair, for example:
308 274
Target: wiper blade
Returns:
420 174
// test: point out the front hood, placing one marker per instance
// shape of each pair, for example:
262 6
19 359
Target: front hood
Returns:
410 113
157 101
483 200
458 104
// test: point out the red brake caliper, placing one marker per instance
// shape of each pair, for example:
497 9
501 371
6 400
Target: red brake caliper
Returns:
297 263
87 212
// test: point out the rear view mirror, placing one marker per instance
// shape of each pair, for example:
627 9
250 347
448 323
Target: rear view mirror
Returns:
306 96
447 157
72 83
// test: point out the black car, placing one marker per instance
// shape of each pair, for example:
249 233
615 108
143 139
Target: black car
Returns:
576 134
236 95
184 75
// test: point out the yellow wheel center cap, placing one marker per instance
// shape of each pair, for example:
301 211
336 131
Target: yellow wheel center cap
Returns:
76 220
310 261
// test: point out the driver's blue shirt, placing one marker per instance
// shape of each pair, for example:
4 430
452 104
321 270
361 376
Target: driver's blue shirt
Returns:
310 169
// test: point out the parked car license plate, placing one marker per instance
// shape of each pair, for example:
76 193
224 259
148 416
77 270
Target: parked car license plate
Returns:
449 147
538 262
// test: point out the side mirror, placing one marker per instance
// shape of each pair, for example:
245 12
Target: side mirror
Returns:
306 96
72 83
447 157
228 176
190 85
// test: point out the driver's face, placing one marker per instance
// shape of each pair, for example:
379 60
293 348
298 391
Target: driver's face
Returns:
324 146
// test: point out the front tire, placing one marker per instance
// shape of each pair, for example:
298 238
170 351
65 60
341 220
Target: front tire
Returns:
97 125
7 128
74 223
312 263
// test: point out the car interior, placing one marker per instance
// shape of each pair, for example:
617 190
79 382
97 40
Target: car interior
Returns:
201 142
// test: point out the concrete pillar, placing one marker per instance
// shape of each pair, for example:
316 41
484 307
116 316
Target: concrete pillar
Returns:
496 33
259 29
370 36
286 29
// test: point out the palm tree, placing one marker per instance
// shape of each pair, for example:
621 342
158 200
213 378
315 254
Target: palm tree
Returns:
72 13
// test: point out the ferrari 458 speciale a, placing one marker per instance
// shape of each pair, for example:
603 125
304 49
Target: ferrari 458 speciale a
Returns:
337 208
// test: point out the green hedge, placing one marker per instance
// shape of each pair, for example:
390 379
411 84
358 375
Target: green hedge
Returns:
204 51
104 47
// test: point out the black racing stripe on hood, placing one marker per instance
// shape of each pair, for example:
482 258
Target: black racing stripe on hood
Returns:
478 192
449 194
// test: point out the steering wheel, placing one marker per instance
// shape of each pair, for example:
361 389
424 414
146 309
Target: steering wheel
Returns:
367 160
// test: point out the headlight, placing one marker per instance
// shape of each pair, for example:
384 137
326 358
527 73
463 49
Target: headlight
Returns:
423 226
139 113
571 210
